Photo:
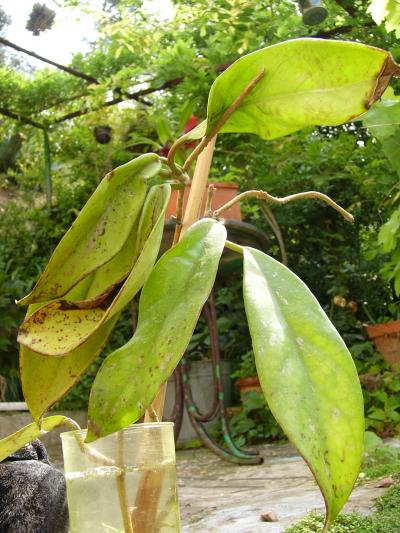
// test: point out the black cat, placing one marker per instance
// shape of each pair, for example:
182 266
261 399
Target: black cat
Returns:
32 493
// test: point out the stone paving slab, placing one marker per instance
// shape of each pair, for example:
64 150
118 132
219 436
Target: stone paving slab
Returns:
216 496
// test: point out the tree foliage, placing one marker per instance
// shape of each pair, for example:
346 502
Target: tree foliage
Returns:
135 51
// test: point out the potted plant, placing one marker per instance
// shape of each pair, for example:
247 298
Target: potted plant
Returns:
246 374
385 334
222 193
307 374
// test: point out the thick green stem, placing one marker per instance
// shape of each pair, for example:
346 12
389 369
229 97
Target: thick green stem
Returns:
233 246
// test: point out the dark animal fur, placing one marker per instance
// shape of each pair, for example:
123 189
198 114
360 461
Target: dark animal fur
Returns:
32 493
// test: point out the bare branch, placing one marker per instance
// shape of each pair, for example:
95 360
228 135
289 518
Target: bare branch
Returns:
70 70
20 118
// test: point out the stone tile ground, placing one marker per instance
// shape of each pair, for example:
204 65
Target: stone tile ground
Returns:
220 497
216 496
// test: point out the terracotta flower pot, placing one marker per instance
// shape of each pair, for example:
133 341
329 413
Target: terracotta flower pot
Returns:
247 384
386 338
223 194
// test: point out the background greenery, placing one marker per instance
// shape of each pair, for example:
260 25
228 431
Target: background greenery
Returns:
340 262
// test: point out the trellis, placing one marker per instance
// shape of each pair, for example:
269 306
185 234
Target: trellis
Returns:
45 127
119 95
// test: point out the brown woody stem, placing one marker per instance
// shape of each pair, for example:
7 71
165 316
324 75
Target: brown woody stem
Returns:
221 121
121 486
262 195
269 217
179 216
210 196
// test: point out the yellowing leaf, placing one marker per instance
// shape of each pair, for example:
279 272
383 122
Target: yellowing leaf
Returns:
307 82
46 379
100 230
27 434
61 326
307 375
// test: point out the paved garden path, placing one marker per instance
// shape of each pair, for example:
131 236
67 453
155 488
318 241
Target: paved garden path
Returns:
219 497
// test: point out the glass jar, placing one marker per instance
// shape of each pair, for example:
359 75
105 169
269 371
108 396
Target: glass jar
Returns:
125 482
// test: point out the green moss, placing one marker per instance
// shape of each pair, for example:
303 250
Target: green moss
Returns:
381 461
190 445
385 520
345 523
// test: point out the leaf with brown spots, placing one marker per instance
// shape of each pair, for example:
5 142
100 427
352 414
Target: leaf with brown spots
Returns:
100 230
307 375
62 326
169 307
46 379
307 82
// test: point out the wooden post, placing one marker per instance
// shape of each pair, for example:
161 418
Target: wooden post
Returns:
192 213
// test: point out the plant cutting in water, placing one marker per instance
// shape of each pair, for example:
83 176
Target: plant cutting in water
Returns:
109 254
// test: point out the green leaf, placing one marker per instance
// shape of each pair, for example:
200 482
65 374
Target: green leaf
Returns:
61 326
27 434
307 82
163 130
100 230
389 233
196 133
307 375
187 111
169 307
388 11
383 119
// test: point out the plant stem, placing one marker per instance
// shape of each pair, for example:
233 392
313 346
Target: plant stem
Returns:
221 121
192 213
269 216
262 195
100 459
122 495
235 247
210 196
198 187
179 215
171 154
152 413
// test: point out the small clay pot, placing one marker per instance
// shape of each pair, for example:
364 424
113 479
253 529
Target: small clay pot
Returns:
224 193
247 384
386 338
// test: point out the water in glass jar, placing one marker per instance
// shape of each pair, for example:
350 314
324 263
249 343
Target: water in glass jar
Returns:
94 501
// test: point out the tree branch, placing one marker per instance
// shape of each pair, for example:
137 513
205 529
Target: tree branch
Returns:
70 70
339 31
126 96
20 118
